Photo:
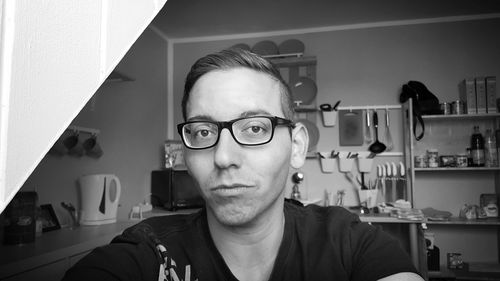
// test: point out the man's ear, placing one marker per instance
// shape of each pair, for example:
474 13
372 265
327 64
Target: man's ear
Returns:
300 143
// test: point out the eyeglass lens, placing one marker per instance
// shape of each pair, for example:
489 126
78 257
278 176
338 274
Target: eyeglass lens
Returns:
247 131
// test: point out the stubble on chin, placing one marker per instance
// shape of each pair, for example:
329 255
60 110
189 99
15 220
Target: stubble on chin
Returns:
232 213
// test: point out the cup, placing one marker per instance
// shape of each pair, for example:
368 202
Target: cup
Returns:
58 148
74 146
365 164
345 164
92 147
327 165
369 196
327 162
329 118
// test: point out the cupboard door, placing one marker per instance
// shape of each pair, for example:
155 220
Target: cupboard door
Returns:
52 271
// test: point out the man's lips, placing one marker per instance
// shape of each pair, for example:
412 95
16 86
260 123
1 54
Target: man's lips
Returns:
233 189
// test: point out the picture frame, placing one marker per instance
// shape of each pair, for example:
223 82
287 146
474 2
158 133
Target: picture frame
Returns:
48 218
174 154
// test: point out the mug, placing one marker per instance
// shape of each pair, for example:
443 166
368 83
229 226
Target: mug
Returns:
59 148
74 146
92 147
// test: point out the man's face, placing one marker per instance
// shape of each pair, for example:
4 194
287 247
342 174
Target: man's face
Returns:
239 183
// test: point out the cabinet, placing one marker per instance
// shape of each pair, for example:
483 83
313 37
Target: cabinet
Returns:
449 188
54 252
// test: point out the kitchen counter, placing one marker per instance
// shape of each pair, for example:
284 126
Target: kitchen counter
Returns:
56 245
64 245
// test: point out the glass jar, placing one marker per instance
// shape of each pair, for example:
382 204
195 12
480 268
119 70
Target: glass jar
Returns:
433 158
421 161
462 160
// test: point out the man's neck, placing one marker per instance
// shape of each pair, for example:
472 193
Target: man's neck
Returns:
250 251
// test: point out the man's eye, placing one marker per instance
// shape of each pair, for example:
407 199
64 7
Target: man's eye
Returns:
203 131
255 128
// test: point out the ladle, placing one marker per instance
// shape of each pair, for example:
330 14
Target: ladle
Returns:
376 147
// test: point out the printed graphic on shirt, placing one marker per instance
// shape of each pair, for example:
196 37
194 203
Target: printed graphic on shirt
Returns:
172 274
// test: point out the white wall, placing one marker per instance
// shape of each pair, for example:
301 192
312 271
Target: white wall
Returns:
55 54
132 120
368 66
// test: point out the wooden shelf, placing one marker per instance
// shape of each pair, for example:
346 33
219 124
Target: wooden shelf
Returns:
441 169
471 271
461 116
460 221
294 61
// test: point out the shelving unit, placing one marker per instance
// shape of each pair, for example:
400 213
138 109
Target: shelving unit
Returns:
450 134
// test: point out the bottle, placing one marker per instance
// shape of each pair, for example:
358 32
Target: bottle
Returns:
477 148
490 149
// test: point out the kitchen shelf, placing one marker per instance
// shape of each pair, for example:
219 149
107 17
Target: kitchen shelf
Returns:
460 221
294 61
461 116
452 138
468 273
314 155
441 169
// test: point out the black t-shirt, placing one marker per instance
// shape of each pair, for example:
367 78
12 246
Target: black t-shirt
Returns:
319 243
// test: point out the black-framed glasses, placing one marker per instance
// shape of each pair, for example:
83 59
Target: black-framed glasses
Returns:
250 131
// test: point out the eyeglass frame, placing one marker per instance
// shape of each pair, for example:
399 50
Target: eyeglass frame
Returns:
221 125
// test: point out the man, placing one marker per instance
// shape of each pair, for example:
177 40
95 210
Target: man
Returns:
240 143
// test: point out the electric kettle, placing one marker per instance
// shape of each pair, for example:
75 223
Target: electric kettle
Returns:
100 194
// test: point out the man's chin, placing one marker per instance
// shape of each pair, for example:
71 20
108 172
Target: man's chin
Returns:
232 214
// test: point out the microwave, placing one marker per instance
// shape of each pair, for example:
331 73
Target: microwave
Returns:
175 189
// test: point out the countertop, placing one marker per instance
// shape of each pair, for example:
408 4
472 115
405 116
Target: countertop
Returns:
65 242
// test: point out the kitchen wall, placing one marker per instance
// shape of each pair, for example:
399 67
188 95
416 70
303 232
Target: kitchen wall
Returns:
131 117
368 66
360 66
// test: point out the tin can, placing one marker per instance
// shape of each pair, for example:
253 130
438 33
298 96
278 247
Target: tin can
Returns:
447 161
420 161
432 158
445 108
457 107
461 160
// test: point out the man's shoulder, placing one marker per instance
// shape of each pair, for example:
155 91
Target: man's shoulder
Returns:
161 226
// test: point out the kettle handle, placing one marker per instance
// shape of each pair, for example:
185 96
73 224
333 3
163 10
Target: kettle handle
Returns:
118 187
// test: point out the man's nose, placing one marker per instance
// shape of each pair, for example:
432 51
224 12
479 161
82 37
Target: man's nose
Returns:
227 150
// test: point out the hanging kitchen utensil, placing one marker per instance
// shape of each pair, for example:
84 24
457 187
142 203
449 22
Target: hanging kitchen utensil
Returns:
242 46
388 138
394 181
350 127
388 183
303 90
376 147
402 194
265 48
291 46
368 129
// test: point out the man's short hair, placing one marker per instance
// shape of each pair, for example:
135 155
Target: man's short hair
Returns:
234 58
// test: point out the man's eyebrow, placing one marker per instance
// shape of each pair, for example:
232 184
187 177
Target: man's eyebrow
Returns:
249 113
200 118
255 113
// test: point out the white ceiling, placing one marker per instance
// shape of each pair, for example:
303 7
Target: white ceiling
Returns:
195 18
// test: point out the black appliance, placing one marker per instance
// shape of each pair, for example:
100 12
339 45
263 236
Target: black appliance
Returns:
20 219
175 189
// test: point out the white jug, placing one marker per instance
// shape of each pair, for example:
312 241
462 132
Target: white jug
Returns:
100 195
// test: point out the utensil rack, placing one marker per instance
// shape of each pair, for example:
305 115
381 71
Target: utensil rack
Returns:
364 107
79 129
313 108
